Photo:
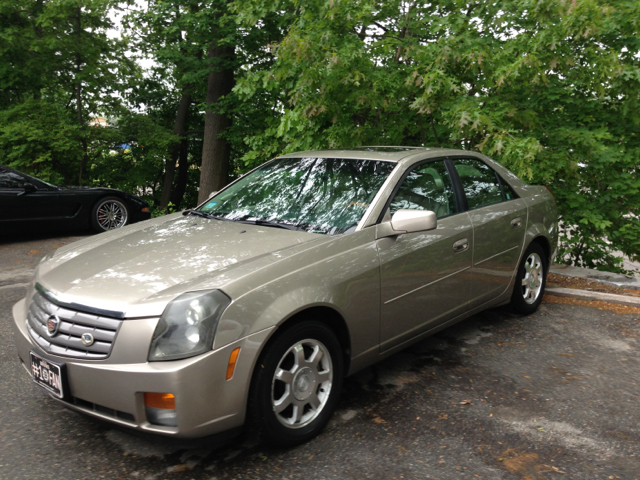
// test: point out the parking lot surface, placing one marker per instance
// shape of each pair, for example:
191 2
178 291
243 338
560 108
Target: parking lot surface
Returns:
498 396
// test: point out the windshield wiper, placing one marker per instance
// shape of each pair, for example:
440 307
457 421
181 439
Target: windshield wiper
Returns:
267 223
262 223
198 213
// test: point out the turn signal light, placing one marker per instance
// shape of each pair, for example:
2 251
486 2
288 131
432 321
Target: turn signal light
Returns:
161 409
160 400
233 358
145 209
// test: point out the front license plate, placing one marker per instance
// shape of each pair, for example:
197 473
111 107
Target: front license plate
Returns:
47 374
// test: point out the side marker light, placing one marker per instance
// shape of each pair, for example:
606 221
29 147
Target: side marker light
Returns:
233 358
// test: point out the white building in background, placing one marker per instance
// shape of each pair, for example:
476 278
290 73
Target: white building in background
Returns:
98 122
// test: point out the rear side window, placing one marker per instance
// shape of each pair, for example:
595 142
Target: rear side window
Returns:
480 183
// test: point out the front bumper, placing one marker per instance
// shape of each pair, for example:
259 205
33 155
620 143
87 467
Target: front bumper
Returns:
140 216
113 389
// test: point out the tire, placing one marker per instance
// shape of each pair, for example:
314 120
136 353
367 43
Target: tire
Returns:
109 213
292 397
530 280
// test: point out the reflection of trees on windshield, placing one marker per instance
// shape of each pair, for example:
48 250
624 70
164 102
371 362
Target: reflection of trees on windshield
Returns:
320 195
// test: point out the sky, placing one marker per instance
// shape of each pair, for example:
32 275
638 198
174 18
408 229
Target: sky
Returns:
116 17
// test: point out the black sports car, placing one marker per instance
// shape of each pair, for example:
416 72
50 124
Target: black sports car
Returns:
28 204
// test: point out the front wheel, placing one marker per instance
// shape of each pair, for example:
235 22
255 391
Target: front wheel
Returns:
296 384
530 281
109 213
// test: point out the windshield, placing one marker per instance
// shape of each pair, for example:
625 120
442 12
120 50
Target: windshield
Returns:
318 195
36 180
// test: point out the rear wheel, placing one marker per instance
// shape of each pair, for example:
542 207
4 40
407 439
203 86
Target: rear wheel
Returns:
109 213
530 280
296 384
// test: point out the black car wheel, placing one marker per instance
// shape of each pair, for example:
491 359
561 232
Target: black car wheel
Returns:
109 213
530 280
296 384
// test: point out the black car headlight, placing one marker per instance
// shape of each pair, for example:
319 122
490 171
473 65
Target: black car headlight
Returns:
187 325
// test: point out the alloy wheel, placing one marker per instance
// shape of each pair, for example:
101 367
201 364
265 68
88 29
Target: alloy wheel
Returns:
111 214
532 280
301 384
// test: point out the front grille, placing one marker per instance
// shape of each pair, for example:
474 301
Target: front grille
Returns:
67 342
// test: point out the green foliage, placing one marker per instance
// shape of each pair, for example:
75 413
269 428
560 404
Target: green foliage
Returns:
550 89
130 155
59 69
41 139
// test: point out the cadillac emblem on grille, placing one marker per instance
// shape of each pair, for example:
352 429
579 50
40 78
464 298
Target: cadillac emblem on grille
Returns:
87 339
53 324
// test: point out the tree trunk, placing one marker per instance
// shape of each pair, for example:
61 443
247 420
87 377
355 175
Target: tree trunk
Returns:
179 129
177 194
85 150
216 151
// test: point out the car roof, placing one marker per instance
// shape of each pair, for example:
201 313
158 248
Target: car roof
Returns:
385 153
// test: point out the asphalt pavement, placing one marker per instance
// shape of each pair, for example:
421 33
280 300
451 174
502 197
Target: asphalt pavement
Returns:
554 395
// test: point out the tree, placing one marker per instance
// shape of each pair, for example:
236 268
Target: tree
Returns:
166 32
200 50
61 68
550 89
216 150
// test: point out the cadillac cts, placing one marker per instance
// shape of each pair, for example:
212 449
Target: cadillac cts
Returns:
251 308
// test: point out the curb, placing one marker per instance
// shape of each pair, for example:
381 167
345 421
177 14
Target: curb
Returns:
593 296
605 278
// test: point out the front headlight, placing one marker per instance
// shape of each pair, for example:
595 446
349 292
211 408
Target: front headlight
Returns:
187 326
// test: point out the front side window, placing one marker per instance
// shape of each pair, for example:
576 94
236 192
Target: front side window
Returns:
426 187
480 182
9 179
509 194
318 195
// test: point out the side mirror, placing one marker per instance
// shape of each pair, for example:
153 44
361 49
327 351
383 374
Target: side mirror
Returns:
408 221
28 188
212 194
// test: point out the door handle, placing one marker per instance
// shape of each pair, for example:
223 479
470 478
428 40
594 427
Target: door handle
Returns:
461 245
516 222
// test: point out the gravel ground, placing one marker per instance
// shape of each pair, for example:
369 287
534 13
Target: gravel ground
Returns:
554 395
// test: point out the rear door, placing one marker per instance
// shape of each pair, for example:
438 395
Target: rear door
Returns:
424 278
499 221
17 206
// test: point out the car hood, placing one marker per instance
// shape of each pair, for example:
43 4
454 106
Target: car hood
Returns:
140 268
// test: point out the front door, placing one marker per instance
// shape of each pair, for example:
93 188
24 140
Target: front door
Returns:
424 278
19 206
